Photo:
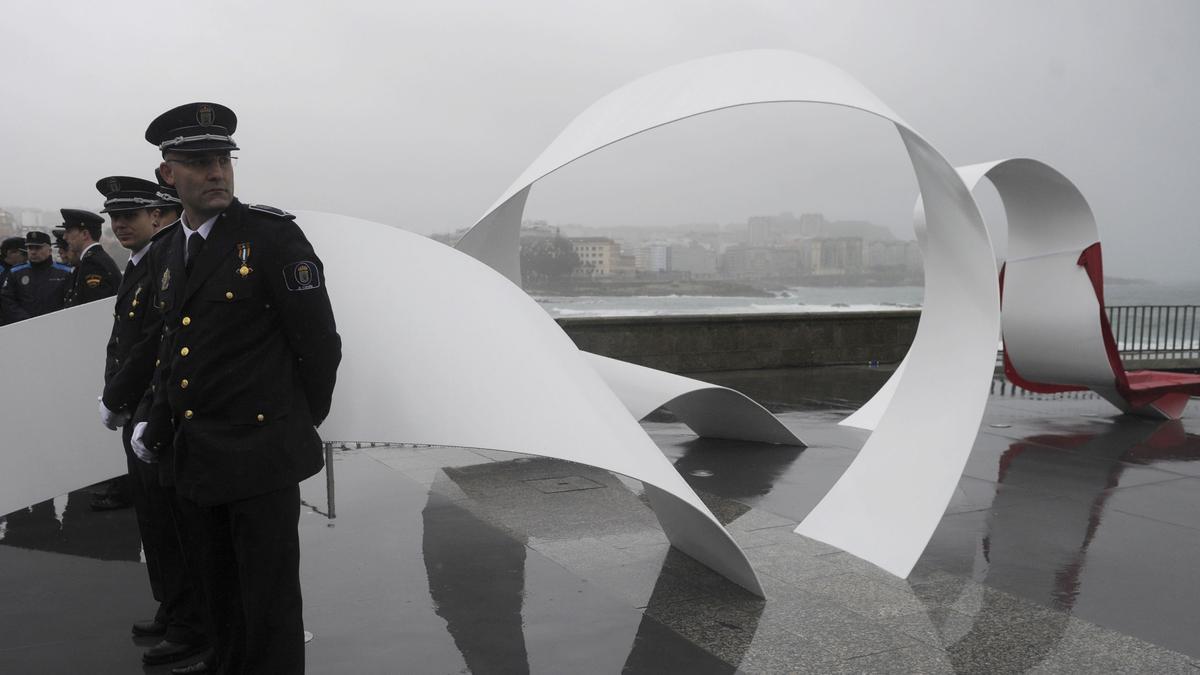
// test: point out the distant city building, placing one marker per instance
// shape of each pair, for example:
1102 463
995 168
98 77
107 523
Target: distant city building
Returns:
694 260
761 262
893 254
626 266
653 258
836 255
598 256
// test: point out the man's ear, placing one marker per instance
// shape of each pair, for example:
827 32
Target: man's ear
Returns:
167 173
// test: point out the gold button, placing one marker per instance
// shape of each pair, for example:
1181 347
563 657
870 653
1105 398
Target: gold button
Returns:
187 414
184 351
187 321
228 295
261 417
183 384
131 315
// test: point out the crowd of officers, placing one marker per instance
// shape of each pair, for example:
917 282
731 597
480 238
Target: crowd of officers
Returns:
220 365
32 283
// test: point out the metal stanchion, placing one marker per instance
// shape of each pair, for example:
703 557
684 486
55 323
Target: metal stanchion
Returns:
329 479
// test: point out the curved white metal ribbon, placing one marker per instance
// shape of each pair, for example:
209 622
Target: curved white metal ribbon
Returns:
1051 315
1052 319
55 442
710 410
886 505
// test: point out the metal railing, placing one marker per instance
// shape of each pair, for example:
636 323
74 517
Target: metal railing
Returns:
1156 331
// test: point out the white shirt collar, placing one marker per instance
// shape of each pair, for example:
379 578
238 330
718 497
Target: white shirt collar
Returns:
204 229
137 256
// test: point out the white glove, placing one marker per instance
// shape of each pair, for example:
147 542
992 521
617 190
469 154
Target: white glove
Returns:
108 418
139 448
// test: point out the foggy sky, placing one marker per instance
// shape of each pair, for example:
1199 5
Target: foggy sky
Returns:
420 113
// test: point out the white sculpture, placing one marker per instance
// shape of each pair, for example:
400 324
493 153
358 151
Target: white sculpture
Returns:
886 506
709 410
1056 334
453 354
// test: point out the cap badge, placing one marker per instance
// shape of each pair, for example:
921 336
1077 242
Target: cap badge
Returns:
205 115
113 185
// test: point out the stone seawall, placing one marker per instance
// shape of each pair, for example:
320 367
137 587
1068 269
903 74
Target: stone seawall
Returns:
694 344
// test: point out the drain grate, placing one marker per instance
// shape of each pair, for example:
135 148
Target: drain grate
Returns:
563 484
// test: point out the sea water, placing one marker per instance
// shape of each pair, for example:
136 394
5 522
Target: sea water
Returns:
823 299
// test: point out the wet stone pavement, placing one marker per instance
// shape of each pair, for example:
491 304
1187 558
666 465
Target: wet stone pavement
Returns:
1070 546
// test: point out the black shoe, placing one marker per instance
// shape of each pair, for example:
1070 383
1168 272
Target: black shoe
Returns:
191 669
167 651
149 628
108 503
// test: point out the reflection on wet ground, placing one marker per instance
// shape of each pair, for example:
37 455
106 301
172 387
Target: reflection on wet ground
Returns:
1070 545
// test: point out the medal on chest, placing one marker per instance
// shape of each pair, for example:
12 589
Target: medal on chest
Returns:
243 254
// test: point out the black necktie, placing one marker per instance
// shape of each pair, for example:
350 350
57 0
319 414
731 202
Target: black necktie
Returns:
194 244
129 267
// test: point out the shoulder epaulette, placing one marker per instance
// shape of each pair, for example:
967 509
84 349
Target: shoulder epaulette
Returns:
64 268
18 268
162 231
271 210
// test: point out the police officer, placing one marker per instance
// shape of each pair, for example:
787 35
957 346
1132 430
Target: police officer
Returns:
137 207
63 251
12 253
36 287
249 373
96 275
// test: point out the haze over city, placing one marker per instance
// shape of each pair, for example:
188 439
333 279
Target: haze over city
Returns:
419 114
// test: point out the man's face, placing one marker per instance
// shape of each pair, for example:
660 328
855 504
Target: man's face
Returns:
203 180
162 217
14 257
67 256
77 238
132 228
38 252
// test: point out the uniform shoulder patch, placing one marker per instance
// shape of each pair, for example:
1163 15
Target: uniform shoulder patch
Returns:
271 211
301 276
93 280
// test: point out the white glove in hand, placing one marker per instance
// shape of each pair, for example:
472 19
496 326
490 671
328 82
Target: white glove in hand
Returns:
139 448
107 417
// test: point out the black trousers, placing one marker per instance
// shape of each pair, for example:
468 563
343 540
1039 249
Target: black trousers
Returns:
250 564
174 580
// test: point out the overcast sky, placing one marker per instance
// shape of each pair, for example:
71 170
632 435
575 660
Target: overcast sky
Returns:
419 113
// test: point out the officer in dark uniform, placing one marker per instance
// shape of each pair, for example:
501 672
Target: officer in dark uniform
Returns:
137 207
12 253
250 360
63 251
37 287
96 275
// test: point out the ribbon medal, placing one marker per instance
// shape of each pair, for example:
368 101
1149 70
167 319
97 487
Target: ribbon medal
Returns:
243 254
